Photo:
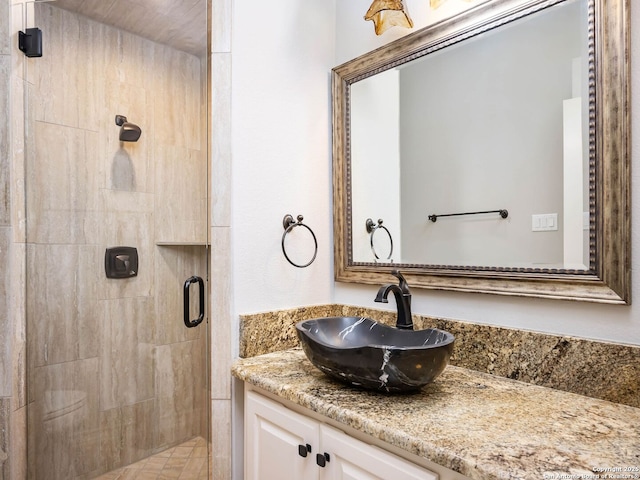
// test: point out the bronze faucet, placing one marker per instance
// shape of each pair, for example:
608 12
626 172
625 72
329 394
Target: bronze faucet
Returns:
403 300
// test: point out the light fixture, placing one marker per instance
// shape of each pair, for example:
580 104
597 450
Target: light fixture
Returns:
388 13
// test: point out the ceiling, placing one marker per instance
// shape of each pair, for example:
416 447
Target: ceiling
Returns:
181 24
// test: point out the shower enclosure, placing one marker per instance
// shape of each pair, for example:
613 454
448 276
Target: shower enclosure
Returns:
114 374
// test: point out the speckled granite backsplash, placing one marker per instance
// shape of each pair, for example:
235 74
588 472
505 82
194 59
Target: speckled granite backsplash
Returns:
601 370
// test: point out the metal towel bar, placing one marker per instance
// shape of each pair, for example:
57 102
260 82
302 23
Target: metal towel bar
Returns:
503 213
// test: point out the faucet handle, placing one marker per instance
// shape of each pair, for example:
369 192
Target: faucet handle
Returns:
404 286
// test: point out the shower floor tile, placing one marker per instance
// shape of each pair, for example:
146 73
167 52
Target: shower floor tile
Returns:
187 461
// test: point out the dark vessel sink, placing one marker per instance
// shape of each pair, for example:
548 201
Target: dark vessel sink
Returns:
375 356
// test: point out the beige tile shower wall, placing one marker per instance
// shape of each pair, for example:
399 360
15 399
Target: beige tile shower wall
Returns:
5 230
6 349
181 358
114 374
6 337
12 249
222 317
5 76
5 38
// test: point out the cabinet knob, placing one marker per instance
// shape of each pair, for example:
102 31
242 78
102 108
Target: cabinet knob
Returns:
304 449
322 459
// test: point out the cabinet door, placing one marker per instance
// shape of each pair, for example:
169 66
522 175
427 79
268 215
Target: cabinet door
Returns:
274 436
351 459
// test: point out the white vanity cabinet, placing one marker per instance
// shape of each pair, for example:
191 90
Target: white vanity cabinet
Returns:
351 459
279 443
286 445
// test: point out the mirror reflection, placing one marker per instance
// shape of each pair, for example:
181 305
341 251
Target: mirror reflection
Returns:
498 122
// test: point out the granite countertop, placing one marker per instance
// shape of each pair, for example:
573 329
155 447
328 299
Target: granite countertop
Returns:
480 425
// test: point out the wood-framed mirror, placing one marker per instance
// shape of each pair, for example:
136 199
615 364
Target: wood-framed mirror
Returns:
526 158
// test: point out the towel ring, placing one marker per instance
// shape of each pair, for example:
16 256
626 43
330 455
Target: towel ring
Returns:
289 224
371 228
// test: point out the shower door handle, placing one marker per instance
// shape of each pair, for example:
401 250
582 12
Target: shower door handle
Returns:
187 316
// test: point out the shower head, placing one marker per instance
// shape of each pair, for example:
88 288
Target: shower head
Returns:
129 132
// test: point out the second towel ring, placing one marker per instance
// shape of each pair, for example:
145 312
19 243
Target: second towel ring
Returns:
289 224
371 228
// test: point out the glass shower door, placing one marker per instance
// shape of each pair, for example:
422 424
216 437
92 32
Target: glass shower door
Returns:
117 383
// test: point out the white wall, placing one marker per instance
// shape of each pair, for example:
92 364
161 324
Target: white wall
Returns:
615 323
281 143
281 55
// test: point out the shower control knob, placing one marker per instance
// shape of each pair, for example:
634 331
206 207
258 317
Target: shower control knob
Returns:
121 262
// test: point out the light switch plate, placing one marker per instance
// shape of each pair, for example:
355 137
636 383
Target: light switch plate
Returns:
546 222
